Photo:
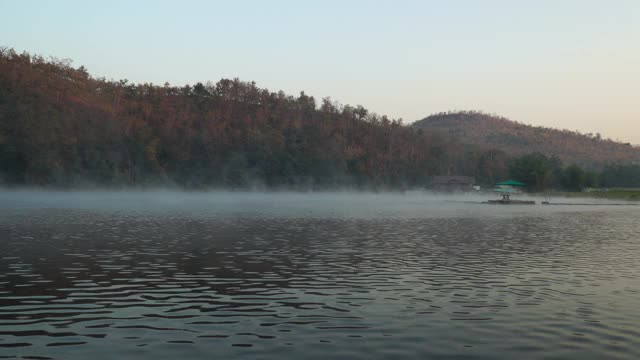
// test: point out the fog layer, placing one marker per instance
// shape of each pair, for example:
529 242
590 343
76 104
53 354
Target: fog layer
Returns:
288 204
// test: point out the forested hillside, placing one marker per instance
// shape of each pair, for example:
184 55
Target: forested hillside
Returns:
588 150
60 126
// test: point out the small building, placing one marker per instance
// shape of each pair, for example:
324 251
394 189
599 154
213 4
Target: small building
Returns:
452 183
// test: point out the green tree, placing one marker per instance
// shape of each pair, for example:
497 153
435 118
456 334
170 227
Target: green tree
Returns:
617 175
535 170
574 178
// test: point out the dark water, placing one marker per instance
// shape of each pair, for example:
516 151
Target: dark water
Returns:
315 277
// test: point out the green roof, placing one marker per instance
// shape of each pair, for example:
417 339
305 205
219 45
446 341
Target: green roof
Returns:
511 183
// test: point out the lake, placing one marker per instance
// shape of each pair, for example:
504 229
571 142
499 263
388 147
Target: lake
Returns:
168 275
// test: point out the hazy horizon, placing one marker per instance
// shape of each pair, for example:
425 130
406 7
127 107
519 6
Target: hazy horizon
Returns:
345 203
569 65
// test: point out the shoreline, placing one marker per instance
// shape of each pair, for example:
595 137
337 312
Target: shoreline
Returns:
632 196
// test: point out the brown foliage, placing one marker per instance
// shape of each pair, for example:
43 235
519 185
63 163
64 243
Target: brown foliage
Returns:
571 147
60 126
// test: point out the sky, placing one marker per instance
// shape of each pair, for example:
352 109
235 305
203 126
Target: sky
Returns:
564 64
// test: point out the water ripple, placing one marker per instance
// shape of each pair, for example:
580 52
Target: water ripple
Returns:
563 285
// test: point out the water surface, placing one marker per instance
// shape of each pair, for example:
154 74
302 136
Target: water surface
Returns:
228 275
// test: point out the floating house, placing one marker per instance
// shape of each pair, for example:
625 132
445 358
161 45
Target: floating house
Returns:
506 188
510 186
452 183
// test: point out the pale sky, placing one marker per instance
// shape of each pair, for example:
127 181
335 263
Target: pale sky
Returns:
564 64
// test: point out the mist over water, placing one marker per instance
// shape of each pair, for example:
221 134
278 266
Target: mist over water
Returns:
324 204
164 275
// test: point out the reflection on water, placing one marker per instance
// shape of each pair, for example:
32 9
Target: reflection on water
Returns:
454 282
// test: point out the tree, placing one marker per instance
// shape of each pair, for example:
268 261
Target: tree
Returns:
61 126
535 170
617 175
574 178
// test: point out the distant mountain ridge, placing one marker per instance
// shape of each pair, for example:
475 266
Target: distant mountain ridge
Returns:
571 147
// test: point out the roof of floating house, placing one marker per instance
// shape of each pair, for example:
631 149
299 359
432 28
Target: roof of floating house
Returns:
453 180
511 183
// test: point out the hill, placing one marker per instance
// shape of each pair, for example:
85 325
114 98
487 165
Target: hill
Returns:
516 139
59 126
62 127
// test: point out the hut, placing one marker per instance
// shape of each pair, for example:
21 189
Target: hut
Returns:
506 189
452 183
510 186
